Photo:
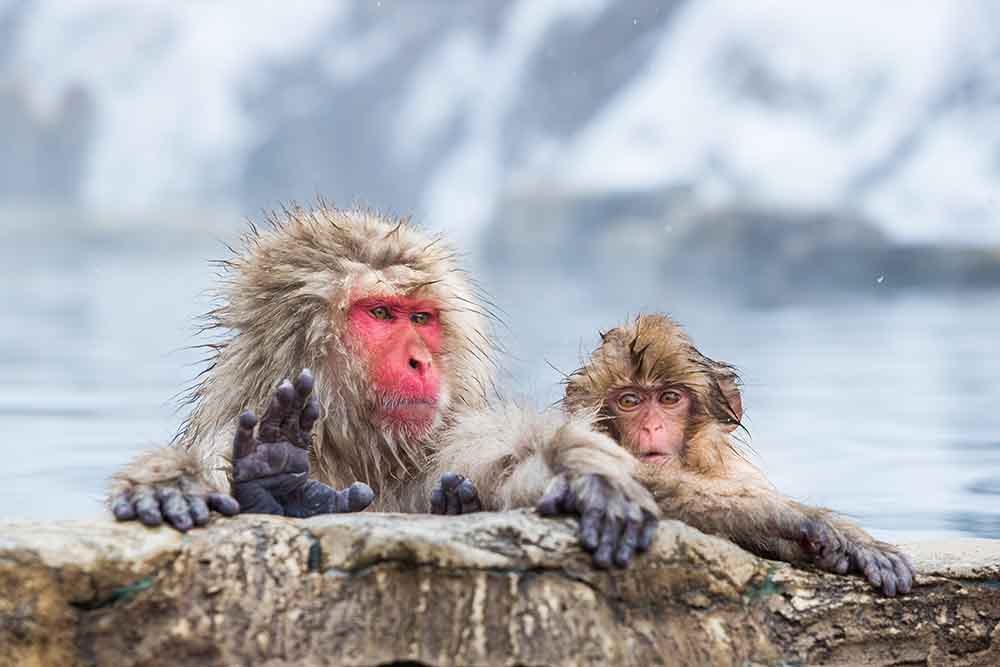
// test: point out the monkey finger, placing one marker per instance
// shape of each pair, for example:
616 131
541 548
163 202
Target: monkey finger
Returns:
873 574
223 503
453 503
903 571
843 564
649 526
830 553
468 497
590 528
359 496
551 503
292 426
451 480
174 508
889 584
815 538
146 506
439 504
277 412
611 532
243 443
308 419
303 387
122 506
862 560
629 541
886 576
199 509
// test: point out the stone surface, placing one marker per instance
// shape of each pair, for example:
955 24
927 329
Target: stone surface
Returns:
487 589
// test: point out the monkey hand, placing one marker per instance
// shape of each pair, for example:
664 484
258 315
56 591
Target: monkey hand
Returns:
612 526
271 468
843 551
455 494
183 502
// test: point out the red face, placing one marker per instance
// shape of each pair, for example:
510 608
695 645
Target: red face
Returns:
651 420
401 338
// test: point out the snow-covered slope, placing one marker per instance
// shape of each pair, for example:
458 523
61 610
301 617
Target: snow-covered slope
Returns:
890 109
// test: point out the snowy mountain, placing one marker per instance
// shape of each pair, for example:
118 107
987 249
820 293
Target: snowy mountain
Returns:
443 109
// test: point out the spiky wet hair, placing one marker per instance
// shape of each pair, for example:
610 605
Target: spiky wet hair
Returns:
283 305
651 349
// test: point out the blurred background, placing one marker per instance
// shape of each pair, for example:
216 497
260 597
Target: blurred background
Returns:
813 189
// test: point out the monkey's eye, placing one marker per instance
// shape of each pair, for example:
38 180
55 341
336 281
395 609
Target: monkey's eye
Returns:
670 397
629 401
381 313
420 318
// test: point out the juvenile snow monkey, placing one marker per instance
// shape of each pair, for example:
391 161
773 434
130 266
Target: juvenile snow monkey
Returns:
675 409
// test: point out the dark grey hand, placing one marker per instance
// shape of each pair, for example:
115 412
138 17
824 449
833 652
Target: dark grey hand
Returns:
271 469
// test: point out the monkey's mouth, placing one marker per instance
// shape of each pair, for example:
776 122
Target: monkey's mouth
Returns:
656 458
409 410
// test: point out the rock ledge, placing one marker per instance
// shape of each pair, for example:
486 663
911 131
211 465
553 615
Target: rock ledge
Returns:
487 589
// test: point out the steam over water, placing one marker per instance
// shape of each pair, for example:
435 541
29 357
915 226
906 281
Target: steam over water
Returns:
888 410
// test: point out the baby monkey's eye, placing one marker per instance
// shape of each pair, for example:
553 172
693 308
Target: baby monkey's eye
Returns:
670 397
420 318
381 313
629 401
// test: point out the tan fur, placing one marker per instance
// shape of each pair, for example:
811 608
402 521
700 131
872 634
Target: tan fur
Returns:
513 452
283 307
161 465
711 485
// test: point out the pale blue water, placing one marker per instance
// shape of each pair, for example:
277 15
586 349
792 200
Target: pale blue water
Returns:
887 410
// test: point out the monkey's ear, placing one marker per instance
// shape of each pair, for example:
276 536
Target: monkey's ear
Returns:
731 390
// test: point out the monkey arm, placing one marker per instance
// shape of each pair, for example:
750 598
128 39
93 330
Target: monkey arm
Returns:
761 520
518 457
270 471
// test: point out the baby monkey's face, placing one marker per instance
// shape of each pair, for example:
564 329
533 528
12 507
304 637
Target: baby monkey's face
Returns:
650 420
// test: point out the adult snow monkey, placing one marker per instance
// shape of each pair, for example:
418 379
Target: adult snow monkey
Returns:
391 344
675 409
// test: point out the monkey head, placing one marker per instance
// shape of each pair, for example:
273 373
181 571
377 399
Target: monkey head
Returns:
656 394
394 331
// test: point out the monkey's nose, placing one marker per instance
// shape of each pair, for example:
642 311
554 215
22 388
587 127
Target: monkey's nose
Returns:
419 365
